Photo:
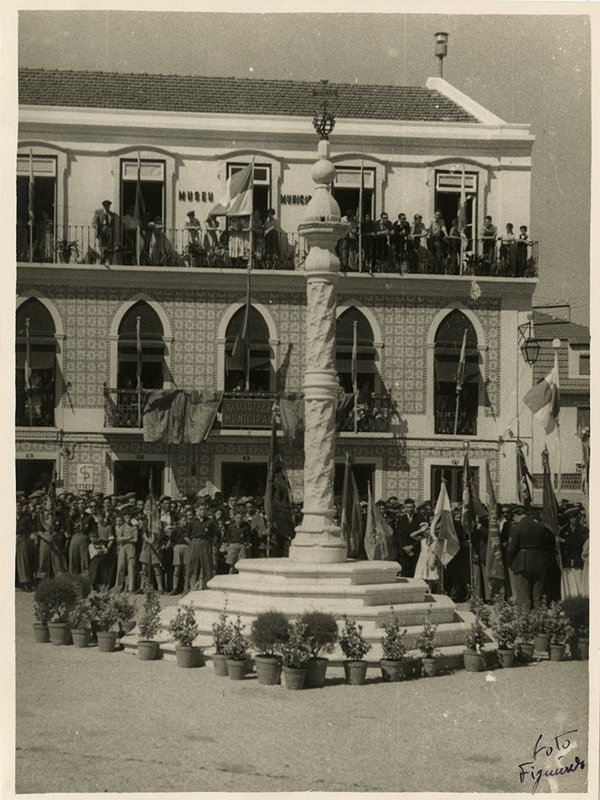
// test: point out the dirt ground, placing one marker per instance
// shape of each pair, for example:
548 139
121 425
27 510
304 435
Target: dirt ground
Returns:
94 722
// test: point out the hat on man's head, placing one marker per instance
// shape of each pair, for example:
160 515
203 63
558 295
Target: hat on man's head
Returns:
517 509
191 214
163 498
572 512
106 203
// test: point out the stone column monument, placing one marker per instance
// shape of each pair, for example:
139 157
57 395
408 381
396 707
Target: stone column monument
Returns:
318 540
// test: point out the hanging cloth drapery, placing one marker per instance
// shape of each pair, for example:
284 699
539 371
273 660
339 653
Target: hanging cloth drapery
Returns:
174 416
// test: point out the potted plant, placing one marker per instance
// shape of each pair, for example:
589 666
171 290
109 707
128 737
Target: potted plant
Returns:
321 635
59 595
184 630
295 654
149 625
541 626
577 610
525 646
560 630
427 644
355 647
80 622
42 614
66 249
222 631
394 649
268 633
475 638
237 649
125 611
503 622
107 610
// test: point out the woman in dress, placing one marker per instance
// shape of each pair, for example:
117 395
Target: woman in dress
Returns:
427 568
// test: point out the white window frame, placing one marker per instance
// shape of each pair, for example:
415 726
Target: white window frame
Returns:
575 352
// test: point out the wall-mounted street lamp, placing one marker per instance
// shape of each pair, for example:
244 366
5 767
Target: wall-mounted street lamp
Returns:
528 344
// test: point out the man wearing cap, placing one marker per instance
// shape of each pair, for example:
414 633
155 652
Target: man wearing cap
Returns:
202 533
572 537
104 222
531 551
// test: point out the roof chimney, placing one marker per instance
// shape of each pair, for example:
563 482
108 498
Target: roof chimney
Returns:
441 49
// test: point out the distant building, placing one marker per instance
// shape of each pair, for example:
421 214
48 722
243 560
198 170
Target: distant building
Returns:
158 147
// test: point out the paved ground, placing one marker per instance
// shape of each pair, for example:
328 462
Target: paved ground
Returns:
94 722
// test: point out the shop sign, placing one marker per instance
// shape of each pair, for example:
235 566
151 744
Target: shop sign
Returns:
246 412
84 477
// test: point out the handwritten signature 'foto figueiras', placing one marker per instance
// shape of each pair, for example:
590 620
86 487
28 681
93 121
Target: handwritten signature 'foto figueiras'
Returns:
551 759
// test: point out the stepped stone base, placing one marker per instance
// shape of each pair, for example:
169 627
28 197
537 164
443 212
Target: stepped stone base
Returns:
366 590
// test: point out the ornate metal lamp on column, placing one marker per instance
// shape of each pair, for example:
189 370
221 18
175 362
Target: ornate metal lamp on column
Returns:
318 540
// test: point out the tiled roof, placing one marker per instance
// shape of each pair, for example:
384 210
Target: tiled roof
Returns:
547 328
187 93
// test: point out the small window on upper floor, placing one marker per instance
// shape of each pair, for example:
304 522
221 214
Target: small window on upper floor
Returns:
579 361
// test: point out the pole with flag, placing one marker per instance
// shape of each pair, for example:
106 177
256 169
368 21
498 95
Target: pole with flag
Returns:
240 354
279 509
442 530
238 199
351 518
468 515
355 372
31 204
360 215
550 520
460 378
139 364
462 219
28 372
523 478
379 536
139 211
494 563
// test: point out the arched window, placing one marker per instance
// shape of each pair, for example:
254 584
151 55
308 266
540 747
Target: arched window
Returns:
35 365
249 368
152 349
448 346
366 353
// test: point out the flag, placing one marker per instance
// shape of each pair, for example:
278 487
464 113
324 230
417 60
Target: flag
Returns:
31 191
379 536
543 399
471 504
28 370
279 509
585 448
139 208
51 495
351 518
494 564
152 509
442 531
461 214
523 478
138 349
237 200
549 503
240 354
460 370
355 357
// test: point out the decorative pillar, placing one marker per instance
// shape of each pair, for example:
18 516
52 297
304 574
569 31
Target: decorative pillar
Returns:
318 539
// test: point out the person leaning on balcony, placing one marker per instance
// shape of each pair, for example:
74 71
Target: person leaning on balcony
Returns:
418 232
104 222
436 235
383 239
508 250
401 229
489 235
192 227
453 241
368 242
522 244
126 535
349 249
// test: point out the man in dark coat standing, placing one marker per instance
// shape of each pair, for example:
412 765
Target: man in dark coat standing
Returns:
408 548
531 551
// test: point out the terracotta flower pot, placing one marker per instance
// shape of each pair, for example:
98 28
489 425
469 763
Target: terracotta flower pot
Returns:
506 658
356 672
148 649
81 637
236 668
541 643
431 667
474 661
527 650
391 669
41 634
60 633
188 656
106 641
557 652
220 664
294 677
268 670
316 669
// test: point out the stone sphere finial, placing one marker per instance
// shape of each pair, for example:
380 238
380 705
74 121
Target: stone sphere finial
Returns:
322 171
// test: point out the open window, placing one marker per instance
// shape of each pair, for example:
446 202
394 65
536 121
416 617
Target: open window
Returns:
152 187
449 185
36 202
347 189
254 372
153 350
35 365
456 411
367 374
261 196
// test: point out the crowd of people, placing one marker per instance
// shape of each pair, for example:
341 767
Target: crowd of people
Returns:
179 545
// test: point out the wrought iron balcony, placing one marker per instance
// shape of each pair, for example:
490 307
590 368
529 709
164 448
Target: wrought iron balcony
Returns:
123 408
467 422
373 412
35 407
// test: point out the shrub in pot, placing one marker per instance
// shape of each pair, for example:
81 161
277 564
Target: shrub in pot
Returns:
237 650
525 624
427 645
59 595
42 615
295 654
355 647
149 625
321 635
222 631
184 630
560 630
541 626
394 649
80 622
473 655
577 610
110 610
269 631
503 622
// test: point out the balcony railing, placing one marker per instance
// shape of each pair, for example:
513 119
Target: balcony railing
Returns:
373 412
197 248
35 408
467 422
122 408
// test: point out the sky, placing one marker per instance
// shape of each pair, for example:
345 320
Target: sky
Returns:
531 69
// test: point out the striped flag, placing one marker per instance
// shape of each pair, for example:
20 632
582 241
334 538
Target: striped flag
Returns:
442 531
543 399
494 564
28 370
237 200
351 519
379 536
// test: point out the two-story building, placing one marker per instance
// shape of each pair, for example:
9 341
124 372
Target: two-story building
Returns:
103 287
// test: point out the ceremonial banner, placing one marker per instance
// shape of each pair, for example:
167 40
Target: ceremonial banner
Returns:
279 509
443 533
494 564
379 536
237 200
351 517
543 399
523 475
291 411
173 416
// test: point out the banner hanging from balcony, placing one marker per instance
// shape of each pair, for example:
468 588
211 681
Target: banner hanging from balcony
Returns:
174 416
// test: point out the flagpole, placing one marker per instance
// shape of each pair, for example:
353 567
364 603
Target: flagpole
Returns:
30 203
250 259
558 442
28 371
354 372
138 347
464 206
360 214
138 191
248 350
459 379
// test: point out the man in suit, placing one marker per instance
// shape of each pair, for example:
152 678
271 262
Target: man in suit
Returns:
104 222
531 551
572 538
408 549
